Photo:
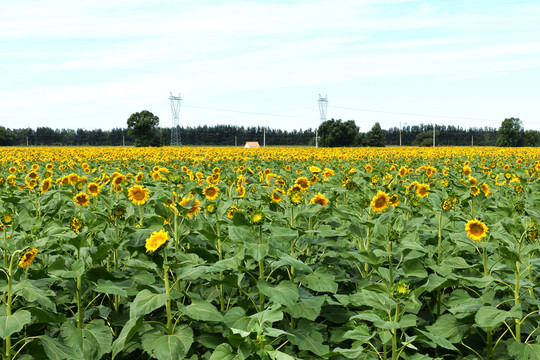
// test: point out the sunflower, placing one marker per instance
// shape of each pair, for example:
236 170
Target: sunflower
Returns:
241 190
327 173
138 194
277 195
447 205
380 201
232 210
302 182
319 199
46 185
211 192
422 190
476 230
195 206
155 240
82 199
75 224
93 189
28 258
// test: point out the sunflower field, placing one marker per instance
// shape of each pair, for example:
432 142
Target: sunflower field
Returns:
274 253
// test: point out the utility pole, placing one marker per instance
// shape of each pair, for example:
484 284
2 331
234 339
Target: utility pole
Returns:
323 104
175 109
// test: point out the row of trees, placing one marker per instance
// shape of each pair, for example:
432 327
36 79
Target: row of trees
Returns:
143 130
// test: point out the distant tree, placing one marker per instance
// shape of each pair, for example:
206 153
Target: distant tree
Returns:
511 133
143 127
375 137
532 138
334 133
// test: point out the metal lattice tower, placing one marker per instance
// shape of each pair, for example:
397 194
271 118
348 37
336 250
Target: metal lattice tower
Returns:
175 130
323 104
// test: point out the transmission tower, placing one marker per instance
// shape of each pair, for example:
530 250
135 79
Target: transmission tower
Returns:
323 104
175 130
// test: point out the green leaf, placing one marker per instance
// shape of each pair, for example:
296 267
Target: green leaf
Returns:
285 293
257 251
306 336
278 355
175 346
127 333
93 341
110 287
55 350
448 327
414 268
145 302
223 352
307 307
10 324
202 310
31 293
489 316
319 280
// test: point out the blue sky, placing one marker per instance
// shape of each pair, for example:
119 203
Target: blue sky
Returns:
91 64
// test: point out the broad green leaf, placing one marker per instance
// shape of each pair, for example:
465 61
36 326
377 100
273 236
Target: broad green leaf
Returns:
489 316
306 336
93 340
31 293
202 310
223 352
10 324
307 307
414 268
448 327
128 331
56 350
285 293
110 287
175 346
278 355
319 280
145 302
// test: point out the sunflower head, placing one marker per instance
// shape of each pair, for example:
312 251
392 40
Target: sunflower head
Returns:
380 201
476 230
28 258
401 290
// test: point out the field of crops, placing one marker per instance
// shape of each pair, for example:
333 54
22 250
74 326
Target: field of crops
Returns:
296 253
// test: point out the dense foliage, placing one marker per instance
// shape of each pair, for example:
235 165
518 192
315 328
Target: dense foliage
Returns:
298 253
228 135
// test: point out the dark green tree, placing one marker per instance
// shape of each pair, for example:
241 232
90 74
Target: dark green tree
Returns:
143 127
375 137
335 133
511 133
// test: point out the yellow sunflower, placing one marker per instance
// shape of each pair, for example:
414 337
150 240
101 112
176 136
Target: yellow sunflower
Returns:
93 189
422 190
155 240
28 258
45 185
138 194
380 201
82 199
319 199
211 192
476 230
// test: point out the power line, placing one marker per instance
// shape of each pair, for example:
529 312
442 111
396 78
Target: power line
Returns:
247 112
412 114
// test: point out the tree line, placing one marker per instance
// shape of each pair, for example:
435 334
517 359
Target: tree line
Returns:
330 133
